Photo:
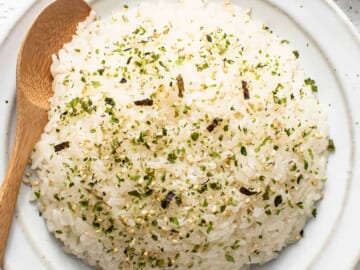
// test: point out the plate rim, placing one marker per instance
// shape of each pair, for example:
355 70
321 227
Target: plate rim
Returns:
334 7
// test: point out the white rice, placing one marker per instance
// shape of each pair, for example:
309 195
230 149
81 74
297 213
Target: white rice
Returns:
207 177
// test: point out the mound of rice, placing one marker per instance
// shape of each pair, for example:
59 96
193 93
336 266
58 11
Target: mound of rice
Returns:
183 139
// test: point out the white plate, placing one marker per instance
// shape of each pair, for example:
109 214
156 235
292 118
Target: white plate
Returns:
330 52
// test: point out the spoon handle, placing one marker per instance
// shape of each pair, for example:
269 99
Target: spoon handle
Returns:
9 191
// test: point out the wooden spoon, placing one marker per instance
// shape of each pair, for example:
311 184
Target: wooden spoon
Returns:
54 27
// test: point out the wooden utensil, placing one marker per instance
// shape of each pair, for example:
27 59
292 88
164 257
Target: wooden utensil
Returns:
54 27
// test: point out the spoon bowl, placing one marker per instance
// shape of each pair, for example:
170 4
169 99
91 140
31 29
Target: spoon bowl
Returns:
54 27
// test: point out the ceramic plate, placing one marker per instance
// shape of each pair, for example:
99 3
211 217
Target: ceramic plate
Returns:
330 52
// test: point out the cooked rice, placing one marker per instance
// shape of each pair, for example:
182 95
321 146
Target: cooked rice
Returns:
190 139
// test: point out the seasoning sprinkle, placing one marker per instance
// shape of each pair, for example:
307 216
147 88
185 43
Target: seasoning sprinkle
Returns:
245 89
213 125
278 200
175 162
165 203
243 151
144 102
61 146
247 192
331 146
296 54
180 84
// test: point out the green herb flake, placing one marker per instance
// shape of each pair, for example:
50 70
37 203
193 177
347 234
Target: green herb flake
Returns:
96 84
215 155
257 149
296 54
172 157
37 194
97 206
205 203
229 258
180 60
300 205
134 193
84 204
209 174
215 186
210 227
201 67
71 208
314 212
243 151
195 136
312 83
311 154
174 221
135 177
109 101
278 200
266 195
236 245
331 146
101 71
119 177
306 164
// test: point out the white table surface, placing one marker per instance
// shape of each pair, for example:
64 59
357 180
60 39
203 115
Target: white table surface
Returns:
351 8
11 10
